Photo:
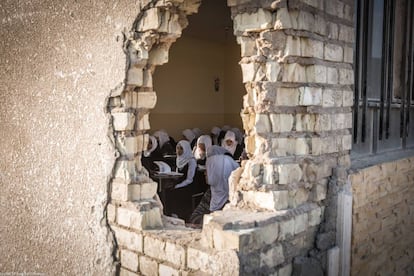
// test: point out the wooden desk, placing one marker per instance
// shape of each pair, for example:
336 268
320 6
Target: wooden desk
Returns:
165 182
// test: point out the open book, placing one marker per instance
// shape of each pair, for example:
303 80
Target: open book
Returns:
164 168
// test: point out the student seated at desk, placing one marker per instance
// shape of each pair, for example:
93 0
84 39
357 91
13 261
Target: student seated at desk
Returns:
164 142
151 154
180 196
229 143
219 166
189 135
203 143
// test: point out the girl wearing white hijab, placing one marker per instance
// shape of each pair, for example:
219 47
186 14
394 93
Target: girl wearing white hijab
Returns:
151 154
215 132
203 143
189 136
229 143
181 195
164 142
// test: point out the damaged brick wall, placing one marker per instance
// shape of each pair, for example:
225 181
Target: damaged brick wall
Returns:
383 219
297 69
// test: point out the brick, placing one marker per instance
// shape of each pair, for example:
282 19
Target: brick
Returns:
135 76
128 239
314 3
143 122
297 197
154 247
281 122
197 259
170 24
316 74
123 121
346 34
268 174
146 100
139 219
249 71
323 122
126 170
311 48
257 21
332 77
119 190
301 223
334 52
147 266
305 122
286 229
273 257
247 45
331 98
346 76
175 254
320 191
142 191
129 260
124 272
127 145
165 270
272 200
348 98
306 21
320 25
348 55
150 21
159 54
227 239
272 71
293 46
262 124
310 96
289 173
294 72
333 31
111 212
287 97
283 19
315 216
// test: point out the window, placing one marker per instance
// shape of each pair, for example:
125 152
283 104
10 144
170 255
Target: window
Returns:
384 96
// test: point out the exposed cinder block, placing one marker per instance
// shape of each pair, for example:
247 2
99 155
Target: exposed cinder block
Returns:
148 266
123 121
260 20
128 239
129 260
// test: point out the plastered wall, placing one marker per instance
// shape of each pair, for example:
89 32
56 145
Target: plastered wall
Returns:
186 97
383 219
59 61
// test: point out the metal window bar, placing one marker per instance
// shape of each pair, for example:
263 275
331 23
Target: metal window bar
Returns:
410 74
364 62
357 62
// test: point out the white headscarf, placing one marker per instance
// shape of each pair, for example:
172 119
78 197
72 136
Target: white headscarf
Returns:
239 135
219 168
187 155
162 137
203 139
189 135
197 132
229 136
226 127
154 146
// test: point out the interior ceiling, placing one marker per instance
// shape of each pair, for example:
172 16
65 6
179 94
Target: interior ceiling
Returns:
212 22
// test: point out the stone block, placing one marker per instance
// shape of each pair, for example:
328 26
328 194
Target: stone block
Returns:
346 34
127 145
170 24
147 78
332 77
333 31
348 55
311 48
287 97
268 174
146 100
294 72
320 191
190 6
119 190
298 197
305 122
272 257
128 239
135 76
142 191
293 46
150 21
143 122
301 223
286 229
154 247
310 96
347 142
281 122
123 121
159 54
175 254
129 260
124 272
306 21
301 146
314 3
320 25
111 212
315 216
236 239
272 200
260 20
249 71
328 98
262 124
282 146
283 19
346 76
289 173
323 122
247 46
198 259
316 74
148 266
165 270
272 71
126 170
334 52
139 219
348 98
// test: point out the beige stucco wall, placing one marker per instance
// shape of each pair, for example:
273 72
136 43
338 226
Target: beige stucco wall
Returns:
383 219
59 61
185 86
